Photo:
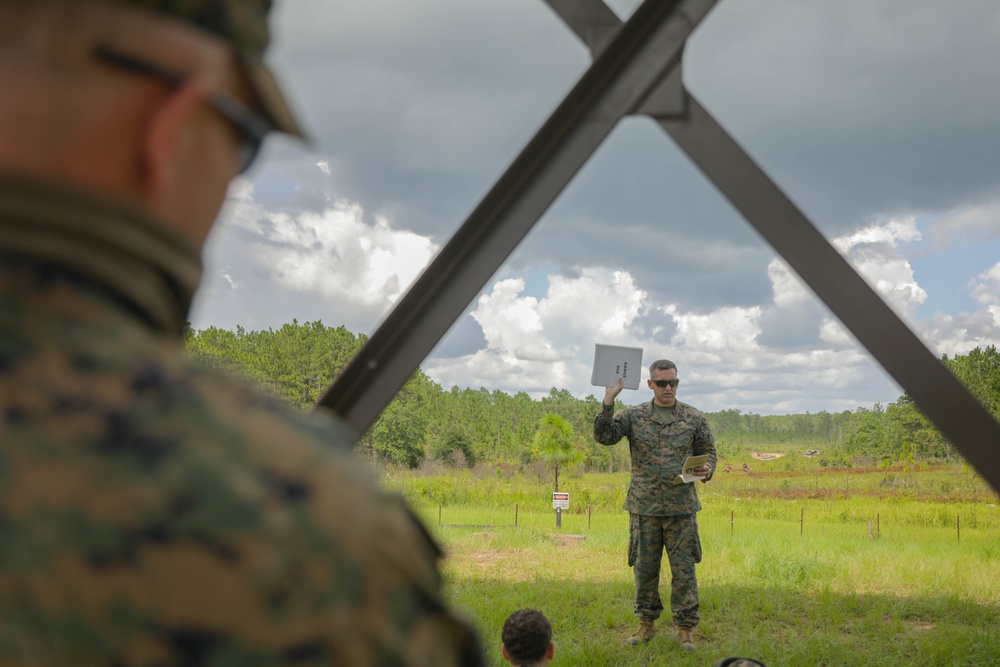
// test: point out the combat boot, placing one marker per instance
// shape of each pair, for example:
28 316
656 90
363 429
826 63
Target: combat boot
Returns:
643 634
686 637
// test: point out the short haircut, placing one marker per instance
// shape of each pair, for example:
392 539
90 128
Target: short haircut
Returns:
527 635
661 365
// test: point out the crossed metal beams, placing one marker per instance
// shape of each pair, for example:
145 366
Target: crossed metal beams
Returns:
637 69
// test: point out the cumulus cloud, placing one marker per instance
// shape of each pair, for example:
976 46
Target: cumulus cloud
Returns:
786 354
334 252
533 341
725 354
358 267
875 252
985 287
535 344
956 334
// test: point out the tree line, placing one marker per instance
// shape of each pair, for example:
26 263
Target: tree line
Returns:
463 426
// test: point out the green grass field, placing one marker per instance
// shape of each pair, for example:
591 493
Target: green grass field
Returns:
800 568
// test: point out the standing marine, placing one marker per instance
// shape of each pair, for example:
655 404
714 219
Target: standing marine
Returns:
662 434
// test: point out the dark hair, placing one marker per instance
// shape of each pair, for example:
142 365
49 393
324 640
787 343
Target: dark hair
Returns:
661 365
527 635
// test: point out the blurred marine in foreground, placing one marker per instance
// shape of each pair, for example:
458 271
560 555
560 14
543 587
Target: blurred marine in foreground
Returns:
152 513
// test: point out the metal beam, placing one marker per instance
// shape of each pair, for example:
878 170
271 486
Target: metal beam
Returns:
629 68
945 400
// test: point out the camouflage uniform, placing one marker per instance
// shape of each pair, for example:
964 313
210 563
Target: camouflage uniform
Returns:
662 516
156 513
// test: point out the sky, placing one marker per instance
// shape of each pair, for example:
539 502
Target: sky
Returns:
880 119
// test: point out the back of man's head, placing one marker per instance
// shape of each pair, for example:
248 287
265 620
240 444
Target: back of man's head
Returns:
241 24
527 637
157 103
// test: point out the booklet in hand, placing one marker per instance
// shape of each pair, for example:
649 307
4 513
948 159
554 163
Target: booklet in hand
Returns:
687 475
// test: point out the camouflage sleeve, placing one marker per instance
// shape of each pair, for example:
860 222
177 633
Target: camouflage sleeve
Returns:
609 427
185 521
704 443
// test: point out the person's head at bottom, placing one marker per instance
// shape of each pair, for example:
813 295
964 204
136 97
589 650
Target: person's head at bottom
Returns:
527 638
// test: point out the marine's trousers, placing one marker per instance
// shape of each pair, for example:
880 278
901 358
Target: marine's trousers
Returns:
678 535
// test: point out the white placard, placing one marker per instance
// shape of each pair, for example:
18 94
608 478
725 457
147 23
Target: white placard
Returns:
614 361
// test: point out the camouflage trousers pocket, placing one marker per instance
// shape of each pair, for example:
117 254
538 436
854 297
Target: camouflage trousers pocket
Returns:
695 539
633 539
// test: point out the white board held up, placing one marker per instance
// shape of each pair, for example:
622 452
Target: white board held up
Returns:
614 361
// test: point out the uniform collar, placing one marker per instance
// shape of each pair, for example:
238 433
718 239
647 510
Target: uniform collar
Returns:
135 256
678 410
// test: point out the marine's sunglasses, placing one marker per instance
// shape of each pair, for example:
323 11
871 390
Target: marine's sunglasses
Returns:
251 126
663 383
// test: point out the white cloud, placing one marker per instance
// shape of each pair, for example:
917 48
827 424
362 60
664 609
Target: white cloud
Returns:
731 329
786 287
603 304
957 334
226 274
508 320
875 253
833 333
534 343
891 233
335 253
966 226
985 287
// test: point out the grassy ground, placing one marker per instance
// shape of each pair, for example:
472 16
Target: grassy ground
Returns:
794 579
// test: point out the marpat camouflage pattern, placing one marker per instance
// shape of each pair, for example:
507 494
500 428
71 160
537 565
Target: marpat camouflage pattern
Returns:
156 513
661 514
658 446
649 536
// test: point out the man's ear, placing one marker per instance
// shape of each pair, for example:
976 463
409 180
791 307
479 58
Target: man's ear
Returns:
503 650
164 135
551 652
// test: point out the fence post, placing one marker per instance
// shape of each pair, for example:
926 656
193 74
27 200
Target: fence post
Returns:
515 515
732 520
878 524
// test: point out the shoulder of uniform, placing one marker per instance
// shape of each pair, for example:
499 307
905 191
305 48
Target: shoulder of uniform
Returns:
688 409
630 410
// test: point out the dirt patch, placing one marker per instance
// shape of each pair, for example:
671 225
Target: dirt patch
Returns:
568 540
918 626
486 558
767 456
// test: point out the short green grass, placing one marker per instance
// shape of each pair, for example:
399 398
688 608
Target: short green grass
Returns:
802 580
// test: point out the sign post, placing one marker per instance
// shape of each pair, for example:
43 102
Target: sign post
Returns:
560 502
